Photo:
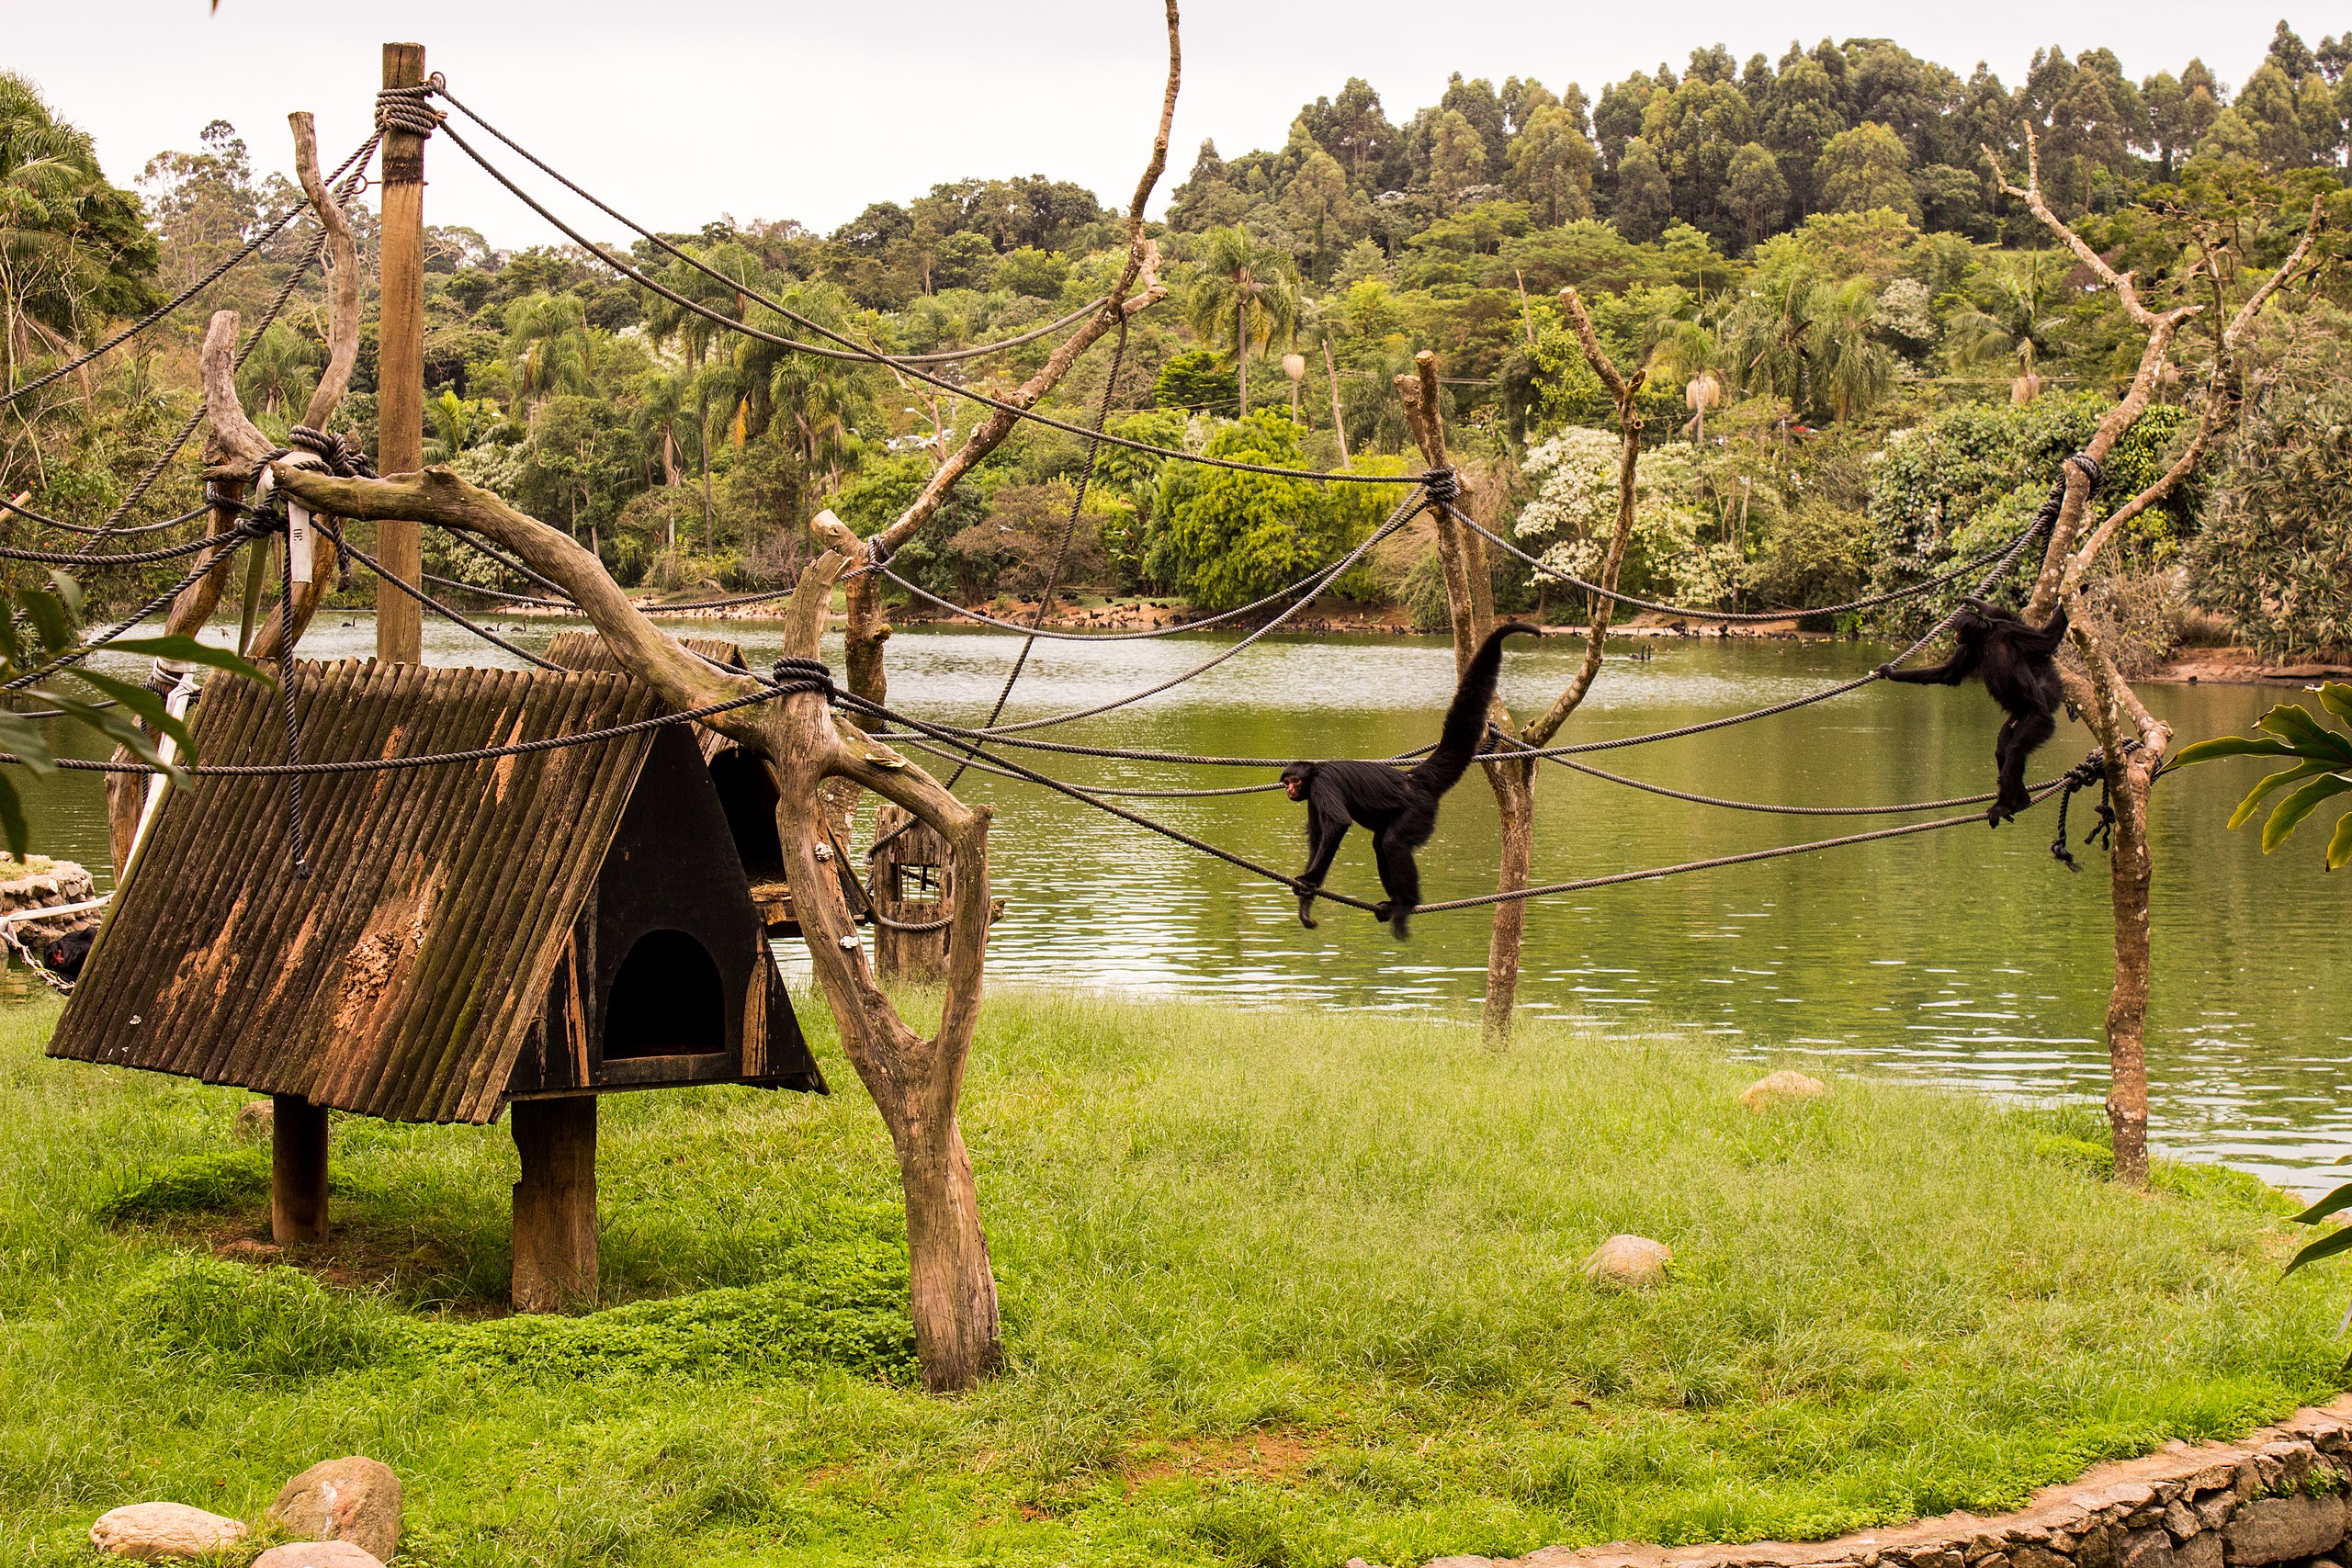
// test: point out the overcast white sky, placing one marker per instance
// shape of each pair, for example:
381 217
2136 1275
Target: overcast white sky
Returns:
676 113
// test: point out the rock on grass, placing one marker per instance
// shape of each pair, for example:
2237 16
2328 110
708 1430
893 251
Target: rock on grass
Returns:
153 1533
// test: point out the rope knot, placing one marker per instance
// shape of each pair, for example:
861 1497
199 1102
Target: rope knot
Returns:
404 109
1442 485
2091 770
2092 469
340 453
804 673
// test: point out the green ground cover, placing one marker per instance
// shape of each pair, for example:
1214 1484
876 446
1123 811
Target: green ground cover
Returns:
1279 1287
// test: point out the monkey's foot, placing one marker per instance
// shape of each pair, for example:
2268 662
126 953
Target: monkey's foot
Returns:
1305 917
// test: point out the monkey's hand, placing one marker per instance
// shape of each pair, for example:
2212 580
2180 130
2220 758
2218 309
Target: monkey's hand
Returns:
1306 908
1885 671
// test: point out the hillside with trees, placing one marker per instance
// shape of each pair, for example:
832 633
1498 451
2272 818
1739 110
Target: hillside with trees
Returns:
1862 360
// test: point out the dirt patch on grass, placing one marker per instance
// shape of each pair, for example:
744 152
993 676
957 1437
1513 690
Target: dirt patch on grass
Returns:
1266 1456
415 1266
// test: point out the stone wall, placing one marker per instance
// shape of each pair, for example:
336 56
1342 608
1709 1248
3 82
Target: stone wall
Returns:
2276 1498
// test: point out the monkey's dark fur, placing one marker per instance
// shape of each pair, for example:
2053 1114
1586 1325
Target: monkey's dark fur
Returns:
1398 807
2016 660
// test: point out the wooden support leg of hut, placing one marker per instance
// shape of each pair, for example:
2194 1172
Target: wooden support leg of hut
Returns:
298 1169
555 1203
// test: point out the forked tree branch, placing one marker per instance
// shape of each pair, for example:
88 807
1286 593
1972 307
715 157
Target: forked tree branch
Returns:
1140 273
1625 391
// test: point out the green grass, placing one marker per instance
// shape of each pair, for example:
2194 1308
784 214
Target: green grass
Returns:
1279 1287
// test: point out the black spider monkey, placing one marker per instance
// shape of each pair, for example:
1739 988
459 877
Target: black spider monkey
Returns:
1398 807
2016 659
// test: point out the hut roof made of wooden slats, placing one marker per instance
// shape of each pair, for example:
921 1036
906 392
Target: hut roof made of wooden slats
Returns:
401 979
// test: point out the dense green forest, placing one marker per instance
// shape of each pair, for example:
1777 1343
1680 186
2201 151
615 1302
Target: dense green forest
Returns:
1862 359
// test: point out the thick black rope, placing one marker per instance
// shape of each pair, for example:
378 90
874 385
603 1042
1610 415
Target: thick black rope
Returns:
2043 518
1741 617
219 271
442 759
43 520
1285 879
226 544
128 558
1307 592
858 350
428 602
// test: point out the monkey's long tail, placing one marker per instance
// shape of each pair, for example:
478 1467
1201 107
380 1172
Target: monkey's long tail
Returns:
1465 717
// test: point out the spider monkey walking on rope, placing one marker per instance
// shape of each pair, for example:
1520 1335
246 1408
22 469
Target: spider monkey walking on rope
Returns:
2017 662
1398 807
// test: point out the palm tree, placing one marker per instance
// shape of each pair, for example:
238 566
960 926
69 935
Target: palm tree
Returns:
549 343
1855 367
1687 351
1770 333
1811 340
278 372
1245 295
2012 319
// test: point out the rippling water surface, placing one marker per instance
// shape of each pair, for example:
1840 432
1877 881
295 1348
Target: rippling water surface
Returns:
1967 957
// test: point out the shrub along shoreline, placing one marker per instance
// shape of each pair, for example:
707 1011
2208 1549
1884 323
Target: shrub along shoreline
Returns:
1280 1287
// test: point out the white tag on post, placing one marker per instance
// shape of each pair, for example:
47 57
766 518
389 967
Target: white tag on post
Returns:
298 540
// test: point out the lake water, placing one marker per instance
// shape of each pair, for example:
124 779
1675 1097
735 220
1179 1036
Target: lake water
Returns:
1967 957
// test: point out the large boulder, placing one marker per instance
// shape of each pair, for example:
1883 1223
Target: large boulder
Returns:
317 1554
1784 1084
353 1499
2274 1529
153 1533
1628 1261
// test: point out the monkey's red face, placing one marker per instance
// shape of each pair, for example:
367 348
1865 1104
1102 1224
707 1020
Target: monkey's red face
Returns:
1294 788
1297 780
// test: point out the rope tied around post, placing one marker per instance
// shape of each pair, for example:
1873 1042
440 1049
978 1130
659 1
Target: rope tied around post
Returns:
404 109
803 675
1442 486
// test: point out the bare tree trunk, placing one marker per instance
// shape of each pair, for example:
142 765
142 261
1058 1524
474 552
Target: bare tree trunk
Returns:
2132 742
126 792
1469 594
2131 869
1241 355
1472 615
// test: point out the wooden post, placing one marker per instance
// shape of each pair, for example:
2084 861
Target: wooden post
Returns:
298 1169
400 360
555 1203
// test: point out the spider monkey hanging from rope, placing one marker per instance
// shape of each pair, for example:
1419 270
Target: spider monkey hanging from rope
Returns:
1400 806
2017 662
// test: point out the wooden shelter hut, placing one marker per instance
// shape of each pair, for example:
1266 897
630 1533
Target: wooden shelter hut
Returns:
519 934
746 783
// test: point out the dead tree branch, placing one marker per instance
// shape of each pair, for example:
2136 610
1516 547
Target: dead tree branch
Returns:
2132 742
1140 274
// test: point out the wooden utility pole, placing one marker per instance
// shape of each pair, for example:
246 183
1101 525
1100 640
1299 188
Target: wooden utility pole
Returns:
400 365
